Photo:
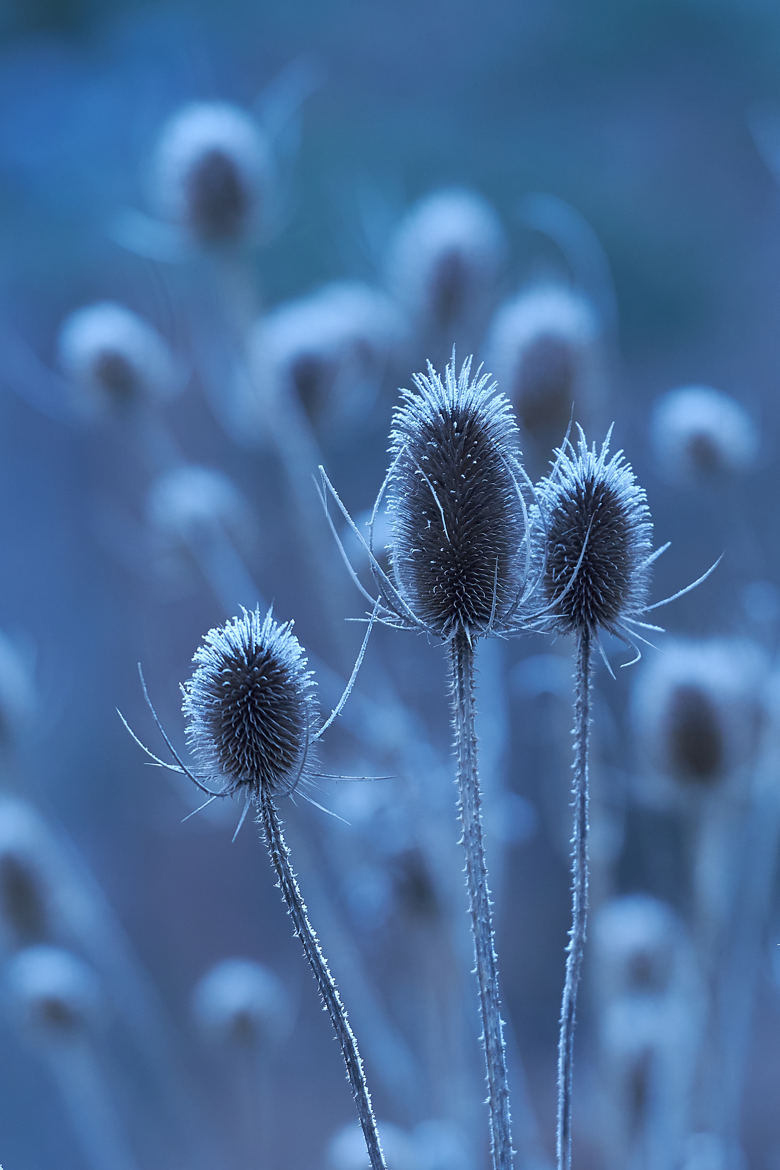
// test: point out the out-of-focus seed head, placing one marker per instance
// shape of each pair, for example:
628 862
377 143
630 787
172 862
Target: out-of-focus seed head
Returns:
212 172
445 263
250 705
639 946
114 359
458 530
331 348
593 540
698 710
29 886
56 993
242 1004
542 346
700 434
189 504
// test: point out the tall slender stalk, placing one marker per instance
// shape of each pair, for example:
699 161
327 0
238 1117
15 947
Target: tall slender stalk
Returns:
480 909
288 884
579 895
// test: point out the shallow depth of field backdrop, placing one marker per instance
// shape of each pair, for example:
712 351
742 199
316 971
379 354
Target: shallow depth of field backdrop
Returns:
652 130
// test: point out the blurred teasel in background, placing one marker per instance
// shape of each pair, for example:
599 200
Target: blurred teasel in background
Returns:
229 234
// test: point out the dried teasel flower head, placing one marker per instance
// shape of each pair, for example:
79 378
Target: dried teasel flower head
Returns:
242 1004
114 359
542 347
457 550
700 434
640 945
250 706
592 535
212 172
445 263
56 993
190 503
698 711
30 884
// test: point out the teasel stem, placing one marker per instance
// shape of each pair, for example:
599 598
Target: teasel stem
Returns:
329 992
480 908
579 892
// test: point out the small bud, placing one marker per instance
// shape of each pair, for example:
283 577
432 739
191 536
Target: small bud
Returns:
114 358
250 705
542 347
458 528
212 172
445 262
699 434
240 1003
56 993
593 541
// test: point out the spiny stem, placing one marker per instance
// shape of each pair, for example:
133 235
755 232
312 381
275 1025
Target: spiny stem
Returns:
288 884
470 813
579 896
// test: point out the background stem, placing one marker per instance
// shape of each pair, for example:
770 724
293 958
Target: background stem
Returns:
470 813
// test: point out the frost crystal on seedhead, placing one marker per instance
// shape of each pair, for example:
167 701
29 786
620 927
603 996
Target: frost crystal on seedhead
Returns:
593 542
250 705
458 529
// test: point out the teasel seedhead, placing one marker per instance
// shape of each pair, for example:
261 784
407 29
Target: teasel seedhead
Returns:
458 550
592 537
250 706
54 992
212 172
701 435
242 1005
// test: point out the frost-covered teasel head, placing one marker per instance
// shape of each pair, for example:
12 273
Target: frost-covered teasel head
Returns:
55 993
330 348
29 882
458 531
241 1004
191 503
701 434
114 359
250 706
542 347
639 945
697 710
445 263
592 536
212 173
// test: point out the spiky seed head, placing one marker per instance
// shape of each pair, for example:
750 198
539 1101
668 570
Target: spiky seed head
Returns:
542 346
593 537
113 358
56 993
445 261
698 710
212 172
701 434
242 1004
457 523
250 705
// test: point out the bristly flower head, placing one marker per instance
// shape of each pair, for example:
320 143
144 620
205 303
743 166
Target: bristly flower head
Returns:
593 543
454 496
250 705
